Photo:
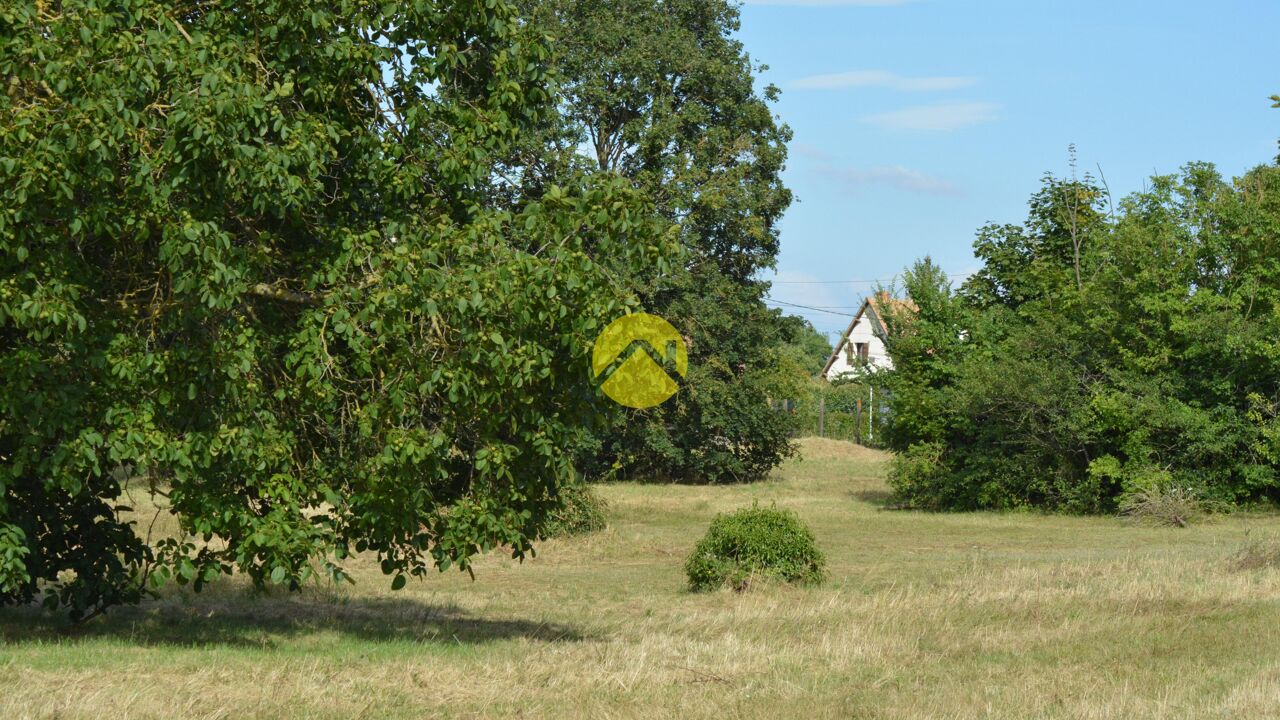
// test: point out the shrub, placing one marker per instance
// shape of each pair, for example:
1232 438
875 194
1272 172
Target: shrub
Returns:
920 479
1174 506
753 543
581 511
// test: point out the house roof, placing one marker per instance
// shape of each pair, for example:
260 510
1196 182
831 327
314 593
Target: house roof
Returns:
873 307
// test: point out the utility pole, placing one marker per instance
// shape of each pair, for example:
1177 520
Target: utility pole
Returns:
871 415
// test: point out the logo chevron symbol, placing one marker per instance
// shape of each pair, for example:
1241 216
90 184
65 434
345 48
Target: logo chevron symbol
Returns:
639 380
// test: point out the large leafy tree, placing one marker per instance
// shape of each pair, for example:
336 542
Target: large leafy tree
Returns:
808 348
1097 354
660 93
247 260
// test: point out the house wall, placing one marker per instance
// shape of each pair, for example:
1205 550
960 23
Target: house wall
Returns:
862 332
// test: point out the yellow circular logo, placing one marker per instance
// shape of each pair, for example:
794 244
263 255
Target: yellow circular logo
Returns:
636 347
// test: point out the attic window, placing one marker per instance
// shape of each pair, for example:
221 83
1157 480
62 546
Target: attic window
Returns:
862 350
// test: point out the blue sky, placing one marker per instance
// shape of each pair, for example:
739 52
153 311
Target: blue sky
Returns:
918 121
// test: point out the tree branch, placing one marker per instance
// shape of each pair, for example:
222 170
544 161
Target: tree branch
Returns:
268 292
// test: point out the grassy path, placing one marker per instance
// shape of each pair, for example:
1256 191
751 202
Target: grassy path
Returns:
925 616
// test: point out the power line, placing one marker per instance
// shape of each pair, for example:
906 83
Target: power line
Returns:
825 307
832 282
950 275
809 307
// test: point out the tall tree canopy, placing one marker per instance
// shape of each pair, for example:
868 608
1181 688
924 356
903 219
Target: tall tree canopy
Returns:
1097 353
662 94
250 259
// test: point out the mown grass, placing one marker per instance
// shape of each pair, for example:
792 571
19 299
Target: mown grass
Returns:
924 616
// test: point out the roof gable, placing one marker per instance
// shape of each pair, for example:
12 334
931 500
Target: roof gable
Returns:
871 307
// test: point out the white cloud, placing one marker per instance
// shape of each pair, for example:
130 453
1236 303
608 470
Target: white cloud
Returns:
942 116
894 176
881 78
830 3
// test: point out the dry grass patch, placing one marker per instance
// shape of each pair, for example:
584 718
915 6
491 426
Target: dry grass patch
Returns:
1259 553
828 449
923 616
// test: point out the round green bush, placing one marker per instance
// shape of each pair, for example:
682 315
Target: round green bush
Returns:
754 543
581 511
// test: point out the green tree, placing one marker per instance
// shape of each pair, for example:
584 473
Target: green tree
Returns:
808 347
661 94
249 260
1097 355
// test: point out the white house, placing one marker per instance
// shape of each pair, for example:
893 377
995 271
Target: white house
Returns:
862 345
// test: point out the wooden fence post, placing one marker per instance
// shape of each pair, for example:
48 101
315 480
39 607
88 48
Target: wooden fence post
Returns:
857 424
822 417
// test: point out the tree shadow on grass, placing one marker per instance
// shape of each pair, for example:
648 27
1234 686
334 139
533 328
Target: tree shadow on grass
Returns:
243 618
882 499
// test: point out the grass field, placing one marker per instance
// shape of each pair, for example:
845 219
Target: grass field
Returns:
924 616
